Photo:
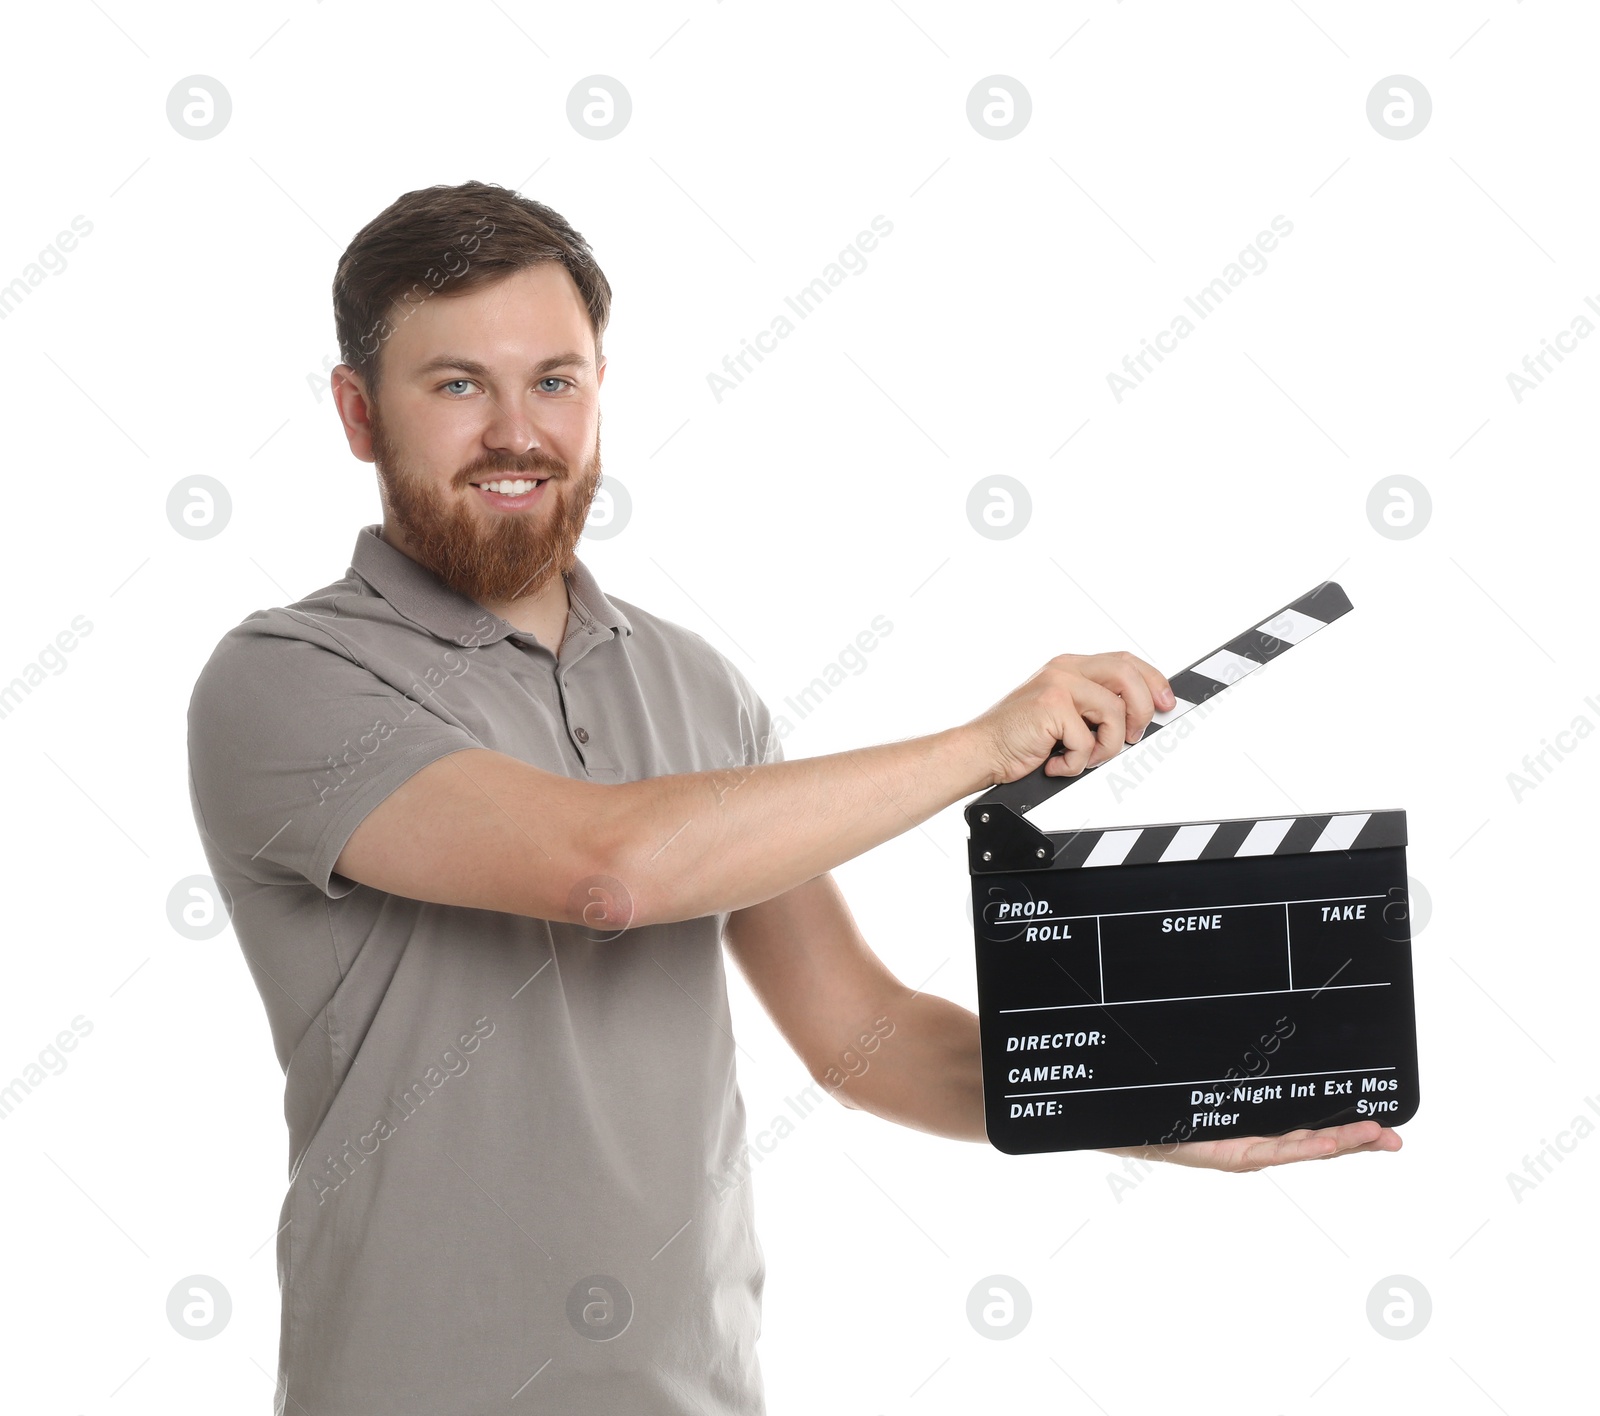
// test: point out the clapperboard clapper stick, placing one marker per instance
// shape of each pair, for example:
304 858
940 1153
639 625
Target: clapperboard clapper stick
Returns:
1148 985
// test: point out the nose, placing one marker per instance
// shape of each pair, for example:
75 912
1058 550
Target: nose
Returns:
510 431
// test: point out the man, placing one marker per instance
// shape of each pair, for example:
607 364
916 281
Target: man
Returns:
483 830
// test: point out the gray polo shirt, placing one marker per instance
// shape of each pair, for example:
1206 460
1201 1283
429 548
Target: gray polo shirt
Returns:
509 1139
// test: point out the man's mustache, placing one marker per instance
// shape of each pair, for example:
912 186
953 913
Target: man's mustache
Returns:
541 467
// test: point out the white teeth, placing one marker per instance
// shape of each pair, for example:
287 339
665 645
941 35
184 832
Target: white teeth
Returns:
510 489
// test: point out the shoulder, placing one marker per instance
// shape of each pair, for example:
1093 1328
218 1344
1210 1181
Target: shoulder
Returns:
271 648
703 674
654 635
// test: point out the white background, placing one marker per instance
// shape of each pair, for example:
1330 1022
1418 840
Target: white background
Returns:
829 488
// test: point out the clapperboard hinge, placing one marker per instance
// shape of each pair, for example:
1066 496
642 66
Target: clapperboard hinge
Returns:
1001 840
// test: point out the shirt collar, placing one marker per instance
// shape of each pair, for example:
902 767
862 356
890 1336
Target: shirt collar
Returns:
418 594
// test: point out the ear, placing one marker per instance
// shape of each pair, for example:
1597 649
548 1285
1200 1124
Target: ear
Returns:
355 410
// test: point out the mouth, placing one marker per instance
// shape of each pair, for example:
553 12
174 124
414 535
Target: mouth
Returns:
511 493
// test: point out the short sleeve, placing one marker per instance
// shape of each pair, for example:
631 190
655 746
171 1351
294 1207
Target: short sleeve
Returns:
292 743
768 743
759 731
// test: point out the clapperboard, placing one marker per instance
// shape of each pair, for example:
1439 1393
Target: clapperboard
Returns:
1148 985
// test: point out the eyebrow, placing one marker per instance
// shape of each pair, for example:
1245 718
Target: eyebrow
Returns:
441 362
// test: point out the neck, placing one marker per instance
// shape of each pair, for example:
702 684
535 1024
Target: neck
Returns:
544 615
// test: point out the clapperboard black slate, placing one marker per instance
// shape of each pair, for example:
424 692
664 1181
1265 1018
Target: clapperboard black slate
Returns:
1195 980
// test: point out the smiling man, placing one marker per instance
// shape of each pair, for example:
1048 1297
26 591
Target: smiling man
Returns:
484 830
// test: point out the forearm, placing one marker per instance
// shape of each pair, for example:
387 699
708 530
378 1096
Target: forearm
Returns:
697 843
926 1071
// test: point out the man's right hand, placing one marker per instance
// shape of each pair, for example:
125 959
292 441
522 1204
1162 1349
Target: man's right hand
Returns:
1118 693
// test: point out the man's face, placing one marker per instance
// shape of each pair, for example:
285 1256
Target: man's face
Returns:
494 386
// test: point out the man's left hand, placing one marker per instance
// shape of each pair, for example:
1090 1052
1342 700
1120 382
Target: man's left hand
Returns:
1244 1153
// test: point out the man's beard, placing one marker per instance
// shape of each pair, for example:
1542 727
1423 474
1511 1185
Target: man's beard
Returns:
519 554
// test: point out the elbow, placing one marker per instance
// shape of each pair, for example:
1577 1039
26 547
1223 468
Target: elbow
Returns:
837 1086
605 896
617 888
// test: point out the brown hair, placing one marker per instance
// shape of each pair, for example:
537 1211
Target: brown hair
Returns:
448 240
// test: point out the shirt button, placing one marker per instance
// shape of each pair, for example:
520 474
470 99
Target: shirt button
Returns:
582 734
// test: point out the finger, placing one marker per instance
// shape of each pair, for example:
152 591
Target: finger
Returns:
1385 1140
1354 1149
1258 1153
1323 1144
1076 737
1358 1134
1121 672
1153 681
1345 1134
1106 711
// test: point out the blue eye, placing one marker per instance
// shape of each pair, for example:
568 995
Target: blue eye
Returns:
552 378
455 381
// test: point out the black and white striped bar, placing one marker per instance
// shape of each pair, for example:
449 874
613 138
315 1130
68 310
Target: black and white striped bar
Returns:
1231 839
1202 680
1247 652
